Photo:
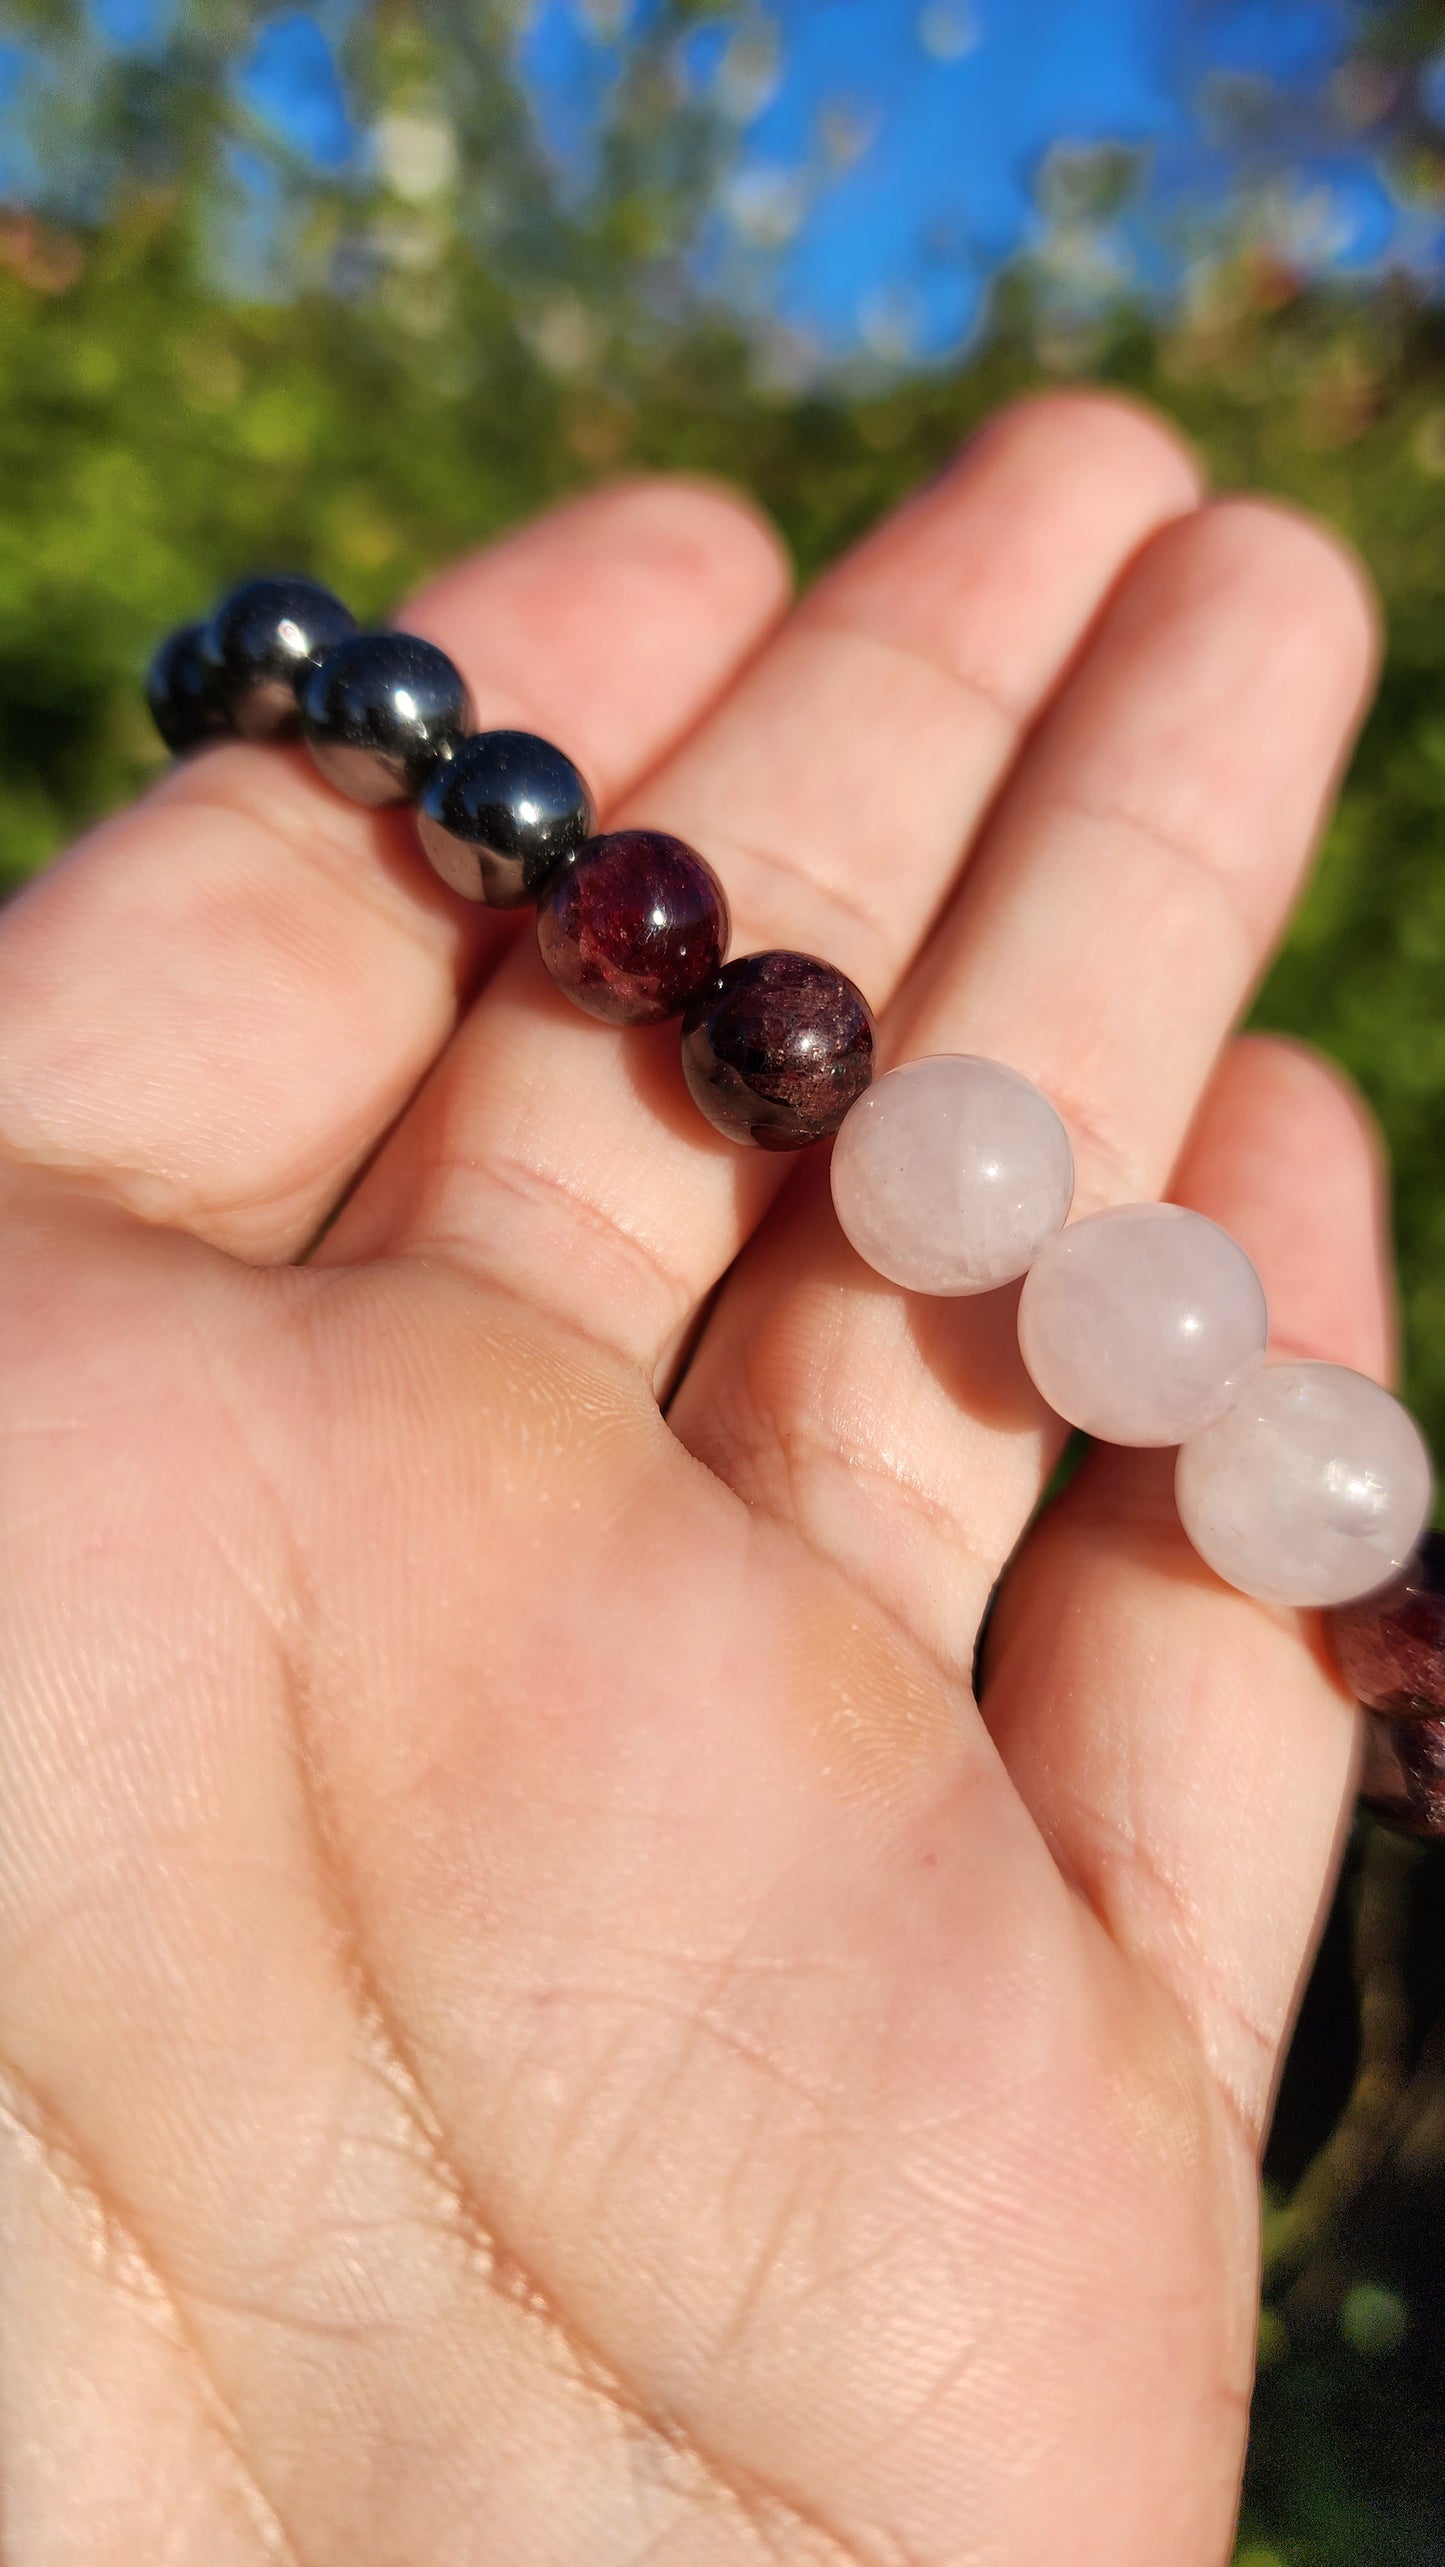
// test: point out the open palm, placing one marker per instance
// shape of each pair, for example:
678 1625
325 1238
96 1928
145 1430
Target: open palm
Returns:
540 2023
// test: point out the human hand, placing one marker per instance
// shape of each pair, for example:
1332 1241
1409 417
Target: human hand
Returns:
540 2023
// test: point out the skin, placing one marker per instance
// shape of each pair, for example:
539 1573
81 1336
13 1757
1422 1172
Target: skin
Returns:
540 2020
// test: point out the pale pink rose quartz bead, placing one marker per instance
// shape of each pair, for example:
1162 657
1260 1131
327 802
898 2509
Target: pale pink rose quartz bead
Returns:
1143 1323
1312 1491
951 1173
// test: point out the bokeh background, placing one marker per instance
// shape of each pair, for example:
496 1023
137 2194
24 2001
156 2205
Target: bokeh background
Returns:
347 287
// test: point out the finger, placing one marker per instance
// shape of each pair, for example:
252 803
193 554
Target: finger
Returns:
834 789
1186 1751
1107 934
217 1004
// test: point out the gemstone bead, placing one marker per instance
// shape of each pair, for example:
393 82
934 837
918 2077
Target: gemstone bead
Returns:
1313 1490
776 1049
1142 1323
950 1174
632 926
183 703
1390 1646
1403 1781
261 644
382 712
498 819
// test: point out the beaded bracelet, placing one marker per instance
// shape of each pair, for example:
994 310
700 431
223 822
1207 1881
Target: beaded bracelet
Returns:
1144 1325
634 927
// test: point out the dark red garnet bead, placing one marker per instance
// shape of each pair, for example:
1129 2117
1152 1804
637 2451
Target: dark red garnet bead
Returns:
777 1048
1404 1777
1390 1646
632 926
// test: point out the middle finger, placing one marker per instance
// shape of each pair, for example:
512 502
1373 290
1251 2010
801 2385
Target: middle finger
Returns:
834 789
1128 890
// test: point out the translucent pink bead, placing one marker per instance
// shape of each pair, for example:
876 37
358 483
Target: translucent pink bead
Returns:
1143 1323
1313 1490
949 1175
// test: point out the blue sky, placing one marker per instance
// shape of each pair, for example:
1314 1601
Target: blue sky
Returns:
889 156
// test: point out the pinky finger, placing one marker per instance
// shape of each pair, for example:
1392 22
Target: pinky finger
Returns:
1187 1752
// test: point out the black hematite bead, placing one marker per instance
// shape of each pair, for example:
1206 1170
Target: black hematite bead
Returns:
262 643
777 1048
1403 1781
633 926
499 818
1390 1646
382 712
183 704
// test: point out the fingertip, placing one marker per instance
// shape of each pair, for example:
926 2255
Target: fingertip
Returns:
1103 429
1313 586
631 607
998 568
1326 564
1277 1098
1304 1082
709 527
1287 1155
676 531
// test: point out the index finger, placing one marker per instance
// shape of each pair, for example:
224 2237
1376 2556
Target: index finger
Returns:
217 1004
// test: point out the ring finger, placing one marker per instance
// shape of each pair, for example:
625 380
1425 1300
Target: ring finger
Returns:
1111 927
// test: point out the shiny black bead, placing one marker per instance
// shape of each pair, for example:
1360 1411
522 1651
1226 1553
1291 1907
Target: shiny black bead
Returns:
261 645
499 818
183 703
776 1049
382 712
